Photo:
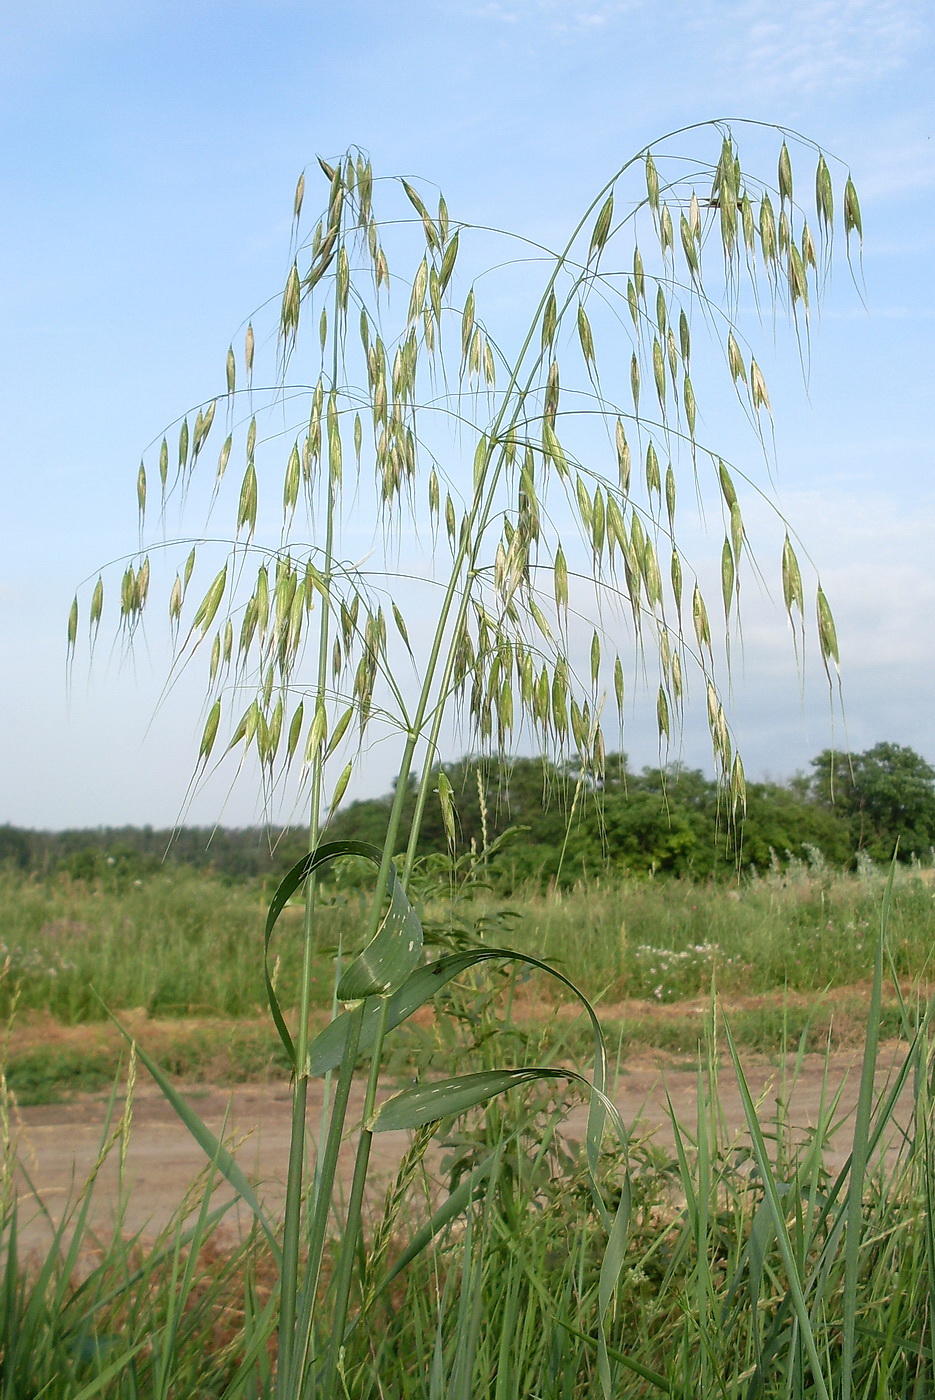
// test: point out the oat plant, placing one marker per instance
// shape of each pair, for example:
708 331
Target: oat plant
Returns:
443 510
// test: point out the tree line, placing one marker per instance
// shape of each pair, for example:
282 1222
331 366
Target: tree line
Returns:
546 821
540 820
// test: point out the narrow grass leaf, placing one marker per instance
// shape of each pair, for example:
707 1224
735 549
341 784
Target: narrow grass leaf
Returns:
853 1235
327 1050
388 959
427 1103
453 1206
771 1193
213 1148
654 1377
110 1372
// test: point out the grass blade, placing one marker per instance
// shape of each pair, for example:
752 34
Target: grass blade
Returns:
213 1148
796 1291
859 1155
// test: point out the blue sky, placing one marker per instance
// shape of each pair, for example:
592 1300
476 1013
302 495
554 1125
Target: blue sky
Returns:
148 154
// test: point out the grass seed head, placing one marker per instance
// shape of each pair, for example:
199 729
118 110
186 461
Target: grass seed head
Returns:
785 174
97 604
852 219
728 576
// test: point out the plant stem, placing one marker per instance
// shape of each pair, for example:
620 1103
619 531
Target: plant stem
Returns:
297 1144
354 1210
472 536
321 1208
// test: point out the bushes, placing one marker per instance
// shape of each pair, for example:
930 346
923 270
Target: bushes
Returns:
659 821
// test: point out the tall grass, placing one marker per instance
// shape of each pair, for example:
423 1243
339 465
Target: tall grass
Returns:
663 940
175 944
548 480
754 1266
185 944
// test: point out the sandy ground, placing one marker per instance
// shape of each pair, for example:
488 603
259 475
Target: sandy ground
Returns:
58 1145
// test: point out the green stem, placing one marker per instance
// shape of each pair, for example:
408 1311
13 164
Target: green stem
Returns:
354 1212
571 817
297 1144
468 546
324 1185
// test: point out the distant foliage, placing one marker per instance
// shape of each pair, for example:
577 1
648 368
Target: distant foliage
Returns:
125 853
554 822
886 794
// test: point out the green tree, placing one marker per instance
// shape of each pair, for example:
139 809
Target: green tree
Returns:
15 848
886 793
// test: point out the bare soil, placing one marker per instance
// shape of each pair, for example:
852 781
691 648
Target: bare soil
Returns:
58 1145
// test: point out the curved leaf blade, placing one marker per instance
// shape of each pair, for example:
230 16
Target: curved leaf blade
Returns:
427 1103
383 965
391 955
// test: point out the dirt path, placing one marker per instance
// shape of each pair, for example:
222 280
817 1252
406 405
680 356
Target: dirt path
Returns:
58 1145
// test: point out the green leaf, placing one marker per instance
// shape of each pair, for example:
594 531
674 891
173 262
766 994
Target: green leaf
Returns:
327 1049
654 1377
427 1103
450 1208
386 962
854 1234
774 1205
110 1372
213 1148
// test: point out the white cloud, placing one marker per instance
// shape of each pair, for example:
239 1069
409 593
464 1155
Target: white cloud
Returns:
559 16
815 46
811 46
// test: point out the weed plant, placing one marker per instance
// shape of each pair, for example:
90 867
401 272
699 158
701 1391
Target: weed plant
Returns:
557 488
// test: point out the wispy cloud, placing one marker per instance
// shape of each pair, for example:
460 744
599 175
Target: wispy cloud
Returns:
817 46
558 16
806 46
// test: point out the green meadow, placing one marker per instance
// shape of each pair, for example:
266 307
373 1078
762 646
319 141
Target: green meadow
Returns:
185 944
743 1268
